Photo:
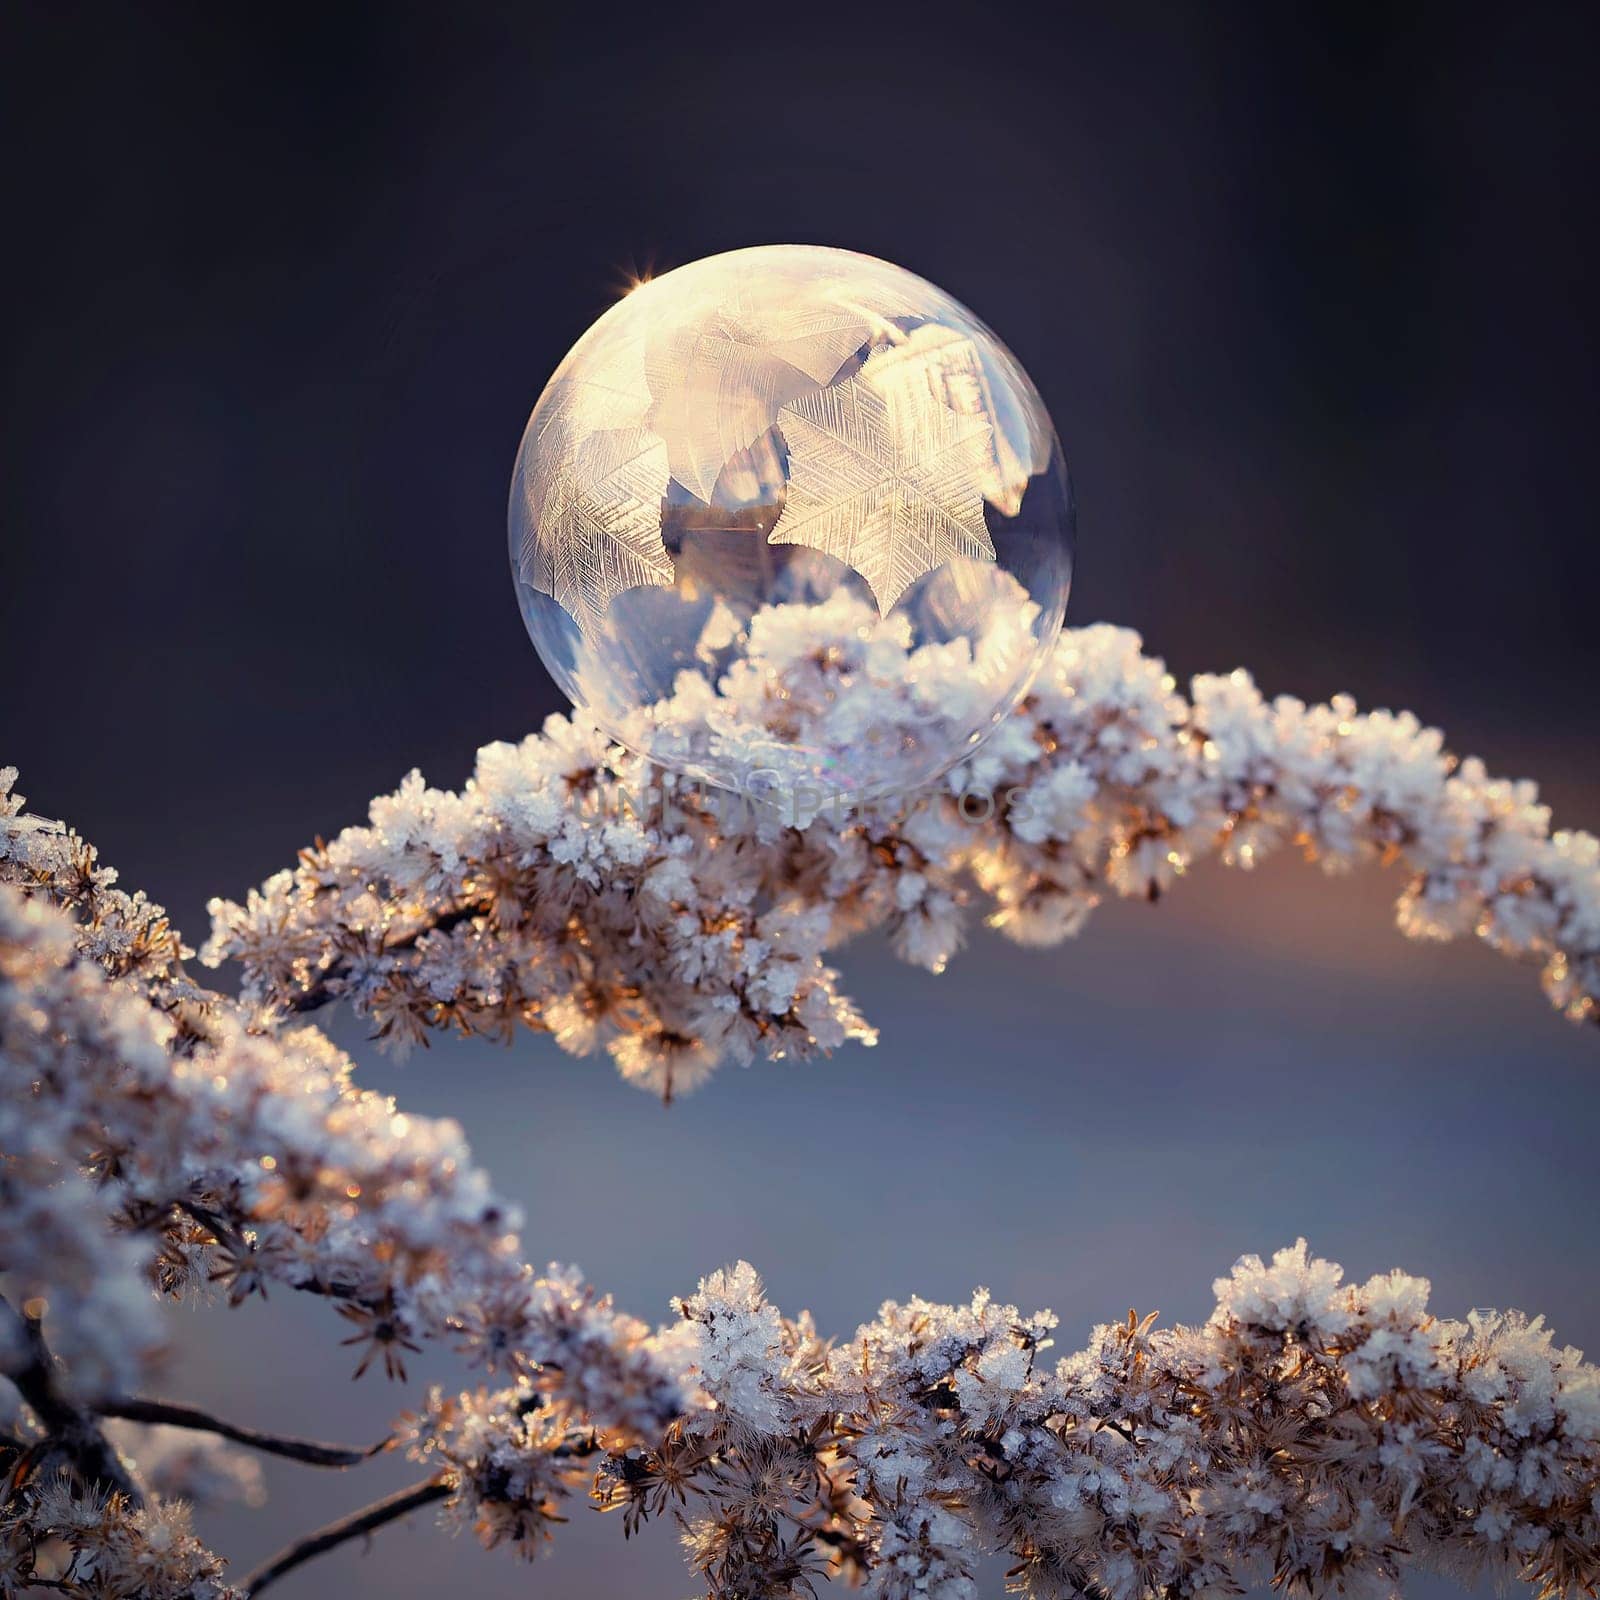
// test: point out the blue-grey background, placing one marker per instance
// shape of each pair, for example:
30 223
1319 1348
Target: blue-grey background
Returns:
1310 297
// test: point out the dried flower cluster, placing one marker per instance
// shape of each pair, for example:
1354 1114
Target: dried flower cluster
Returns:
571 888
73 1540
1312 1435
229 1155
157 1138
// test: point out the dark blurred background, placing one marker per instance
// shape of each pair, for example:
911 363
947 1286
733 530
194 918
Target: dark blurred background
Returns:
1310 296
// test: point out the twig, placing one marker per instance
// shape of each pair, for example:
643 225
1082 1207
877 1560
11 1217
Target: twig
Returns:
367 1520
168 1414
73 1430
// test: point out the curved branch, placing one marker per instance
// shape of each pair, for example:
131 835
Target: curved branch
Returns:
368 1520
165 1413
425 1248
570 887
1314 1431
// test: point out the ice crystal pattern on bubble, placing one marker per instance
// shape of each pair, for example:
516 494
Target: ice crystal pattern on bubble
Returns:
890 477
886 479
597 528
717 385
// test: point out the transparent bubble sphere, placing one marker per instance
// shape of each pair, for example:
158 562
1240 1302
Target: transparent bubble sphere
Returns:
792 516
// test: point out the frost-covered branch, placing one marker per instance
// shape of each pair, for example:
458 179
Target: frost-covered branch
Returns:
571 888
159 1134
1320 1437
157 1138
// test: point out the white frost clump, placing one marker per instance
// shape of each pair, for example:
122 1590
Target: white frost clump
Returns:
737 1334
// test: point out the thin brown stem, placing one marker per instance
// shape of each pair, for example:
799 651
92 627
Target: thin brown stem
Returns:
168 1414
358 1523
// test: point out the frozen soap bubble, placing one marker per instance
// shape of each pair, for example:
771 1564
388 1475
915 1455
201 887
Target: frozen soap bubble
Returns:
792 515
